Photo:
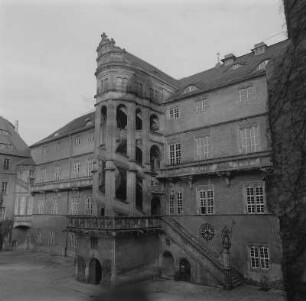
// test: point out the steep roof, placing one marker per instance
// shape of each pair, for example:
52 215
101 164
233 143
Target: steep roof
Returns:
15 146
73 126
222 75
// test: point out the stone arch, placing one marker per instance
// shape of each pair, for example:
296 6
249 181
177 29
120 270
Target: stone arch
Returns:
184 270
95 271
81 267
138 119
155 157
167 266
154 123
155 206
121 117
103 124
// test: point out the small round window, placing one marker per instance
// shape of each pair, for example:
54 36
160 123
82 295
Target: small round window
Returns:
207 232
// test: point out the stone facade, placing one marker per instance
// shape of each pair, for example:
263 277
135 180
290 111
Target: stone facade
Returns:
166 177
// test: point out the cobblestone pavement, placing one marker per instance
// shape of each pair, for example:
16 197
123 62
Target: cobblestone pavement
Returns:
33 276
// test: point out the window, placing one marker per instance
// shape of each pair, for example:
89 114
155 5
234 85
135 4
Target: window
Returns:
235 66
255 199
247 94
263 65
51 237
103 85
76 168
45 150
175 153
121 83
43 174
259 256
73 240
90 137
93 242
23 204
3 187
203 148
38 237
41 205
202 105
171 204
206 201
89 206
55 206
58 145
179 203
77 140
2 213
57 173
139 88
174 113
74 208
249 139
89 167
6 164
190 89
30 206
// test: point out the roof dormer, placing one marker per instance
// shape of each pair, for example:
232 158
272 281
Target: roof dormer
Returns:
259 48
229 59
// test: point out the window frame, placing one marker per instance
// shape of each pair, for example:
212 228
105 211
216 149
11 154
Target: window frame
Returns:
206 200
175 153
259 257
255 202
6 164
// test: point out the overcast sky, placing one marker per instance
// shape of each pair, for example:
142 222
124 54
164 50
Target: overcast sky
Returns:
48 58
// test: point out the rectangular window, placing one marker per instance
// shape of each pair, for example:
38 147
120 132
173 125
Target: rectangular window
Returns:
247 94
43 175
76 168
121 83
2 213
89 167
58 145
6 164
41 205
249 139
57 173
206 201
3 188
202 105
174 113
77 140
55 206
38 237
89 206
179 203
203 148
255 198
75 201
51 237
171 204
175 153
45 150
94 243
30 206
73 240
259 256
90 138
23 204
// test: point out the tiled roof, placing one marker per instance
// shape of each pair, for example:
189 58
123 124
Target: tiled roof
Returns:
73 126
223 75
19 147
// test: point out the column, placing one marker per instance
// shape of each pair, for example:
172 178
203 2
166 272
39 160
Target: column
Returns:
109 187
131 190
111 130
146 137
131 131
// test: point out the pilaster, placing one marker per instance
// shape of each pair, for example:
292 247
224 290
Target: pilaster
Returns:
131 129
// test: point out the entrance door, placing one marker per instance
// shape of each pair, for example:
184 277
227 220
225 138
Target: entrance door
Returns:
155 206
95 271
185 270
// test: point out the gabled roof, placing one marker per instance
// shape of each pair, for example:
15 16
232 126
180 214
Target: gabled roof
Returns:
223 75
73 126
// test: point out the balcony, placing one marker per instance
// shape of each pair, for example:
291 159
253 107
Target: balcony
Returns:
22 221
63 184
113 223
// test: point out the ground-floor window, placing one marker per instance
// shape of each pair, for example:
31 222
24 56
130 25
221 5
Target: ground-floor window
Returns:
259 257
51 237
206 204
176 203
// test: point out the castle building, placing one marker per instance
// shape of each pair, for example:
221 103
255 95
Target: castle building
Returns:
166 177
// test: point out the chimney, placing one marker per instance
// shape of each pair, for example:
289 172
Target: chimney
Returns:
229 59
16 126
259 48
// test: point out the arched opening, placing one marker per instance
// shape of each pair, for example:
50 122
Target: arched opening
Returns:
103 125
139 193
155 206
121 184
167 266
184 270
138 120
138 155
102 175
121 116
155 158
154 123
102 212
81 269
95 271
106 272
122 147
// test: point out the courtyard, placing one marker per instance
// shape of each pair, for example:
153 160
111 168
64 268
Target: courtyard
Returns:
36 276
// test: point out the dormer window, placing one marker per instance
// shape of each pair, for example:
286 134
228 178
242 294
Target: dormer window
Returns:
190 89
259 48
236 66
263 65
229 59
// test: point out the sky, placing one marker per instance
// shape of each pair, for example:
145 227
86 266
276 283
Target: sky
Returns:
48 48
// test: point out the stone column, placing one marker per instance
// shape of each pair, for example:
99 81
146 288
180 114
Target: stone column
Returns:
110 186
131 131
111 130
87 273
145 137
131 190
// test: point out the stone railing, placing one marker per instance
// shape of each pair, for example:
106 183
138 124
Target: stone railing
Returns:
112 223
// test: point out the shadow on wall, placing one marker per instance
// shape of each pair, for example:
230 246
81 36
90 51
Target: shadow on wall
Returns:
123 293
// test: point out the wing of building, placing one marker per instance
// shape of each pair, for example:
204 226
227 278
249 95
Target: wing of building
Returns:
166 177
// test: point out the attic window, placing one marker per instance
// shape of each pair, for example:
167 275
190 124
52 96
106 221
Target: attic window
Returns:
190 89
263 65
235 66
88 122
56 134
260 48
